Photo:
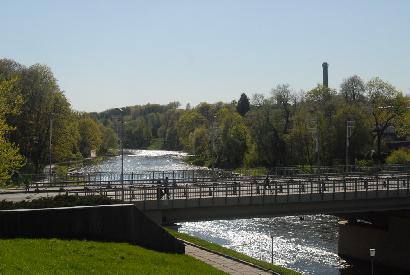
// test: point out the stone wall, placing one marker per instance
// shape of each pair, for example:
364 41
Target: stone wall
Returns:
117 223
391 243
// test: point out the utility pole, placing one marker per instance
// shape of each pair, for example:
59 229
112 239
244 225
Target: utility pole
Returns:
120 133
314 129
213 146
50 146
349 128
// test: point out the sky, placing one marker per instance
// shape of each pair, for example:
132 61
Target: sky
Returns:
109 54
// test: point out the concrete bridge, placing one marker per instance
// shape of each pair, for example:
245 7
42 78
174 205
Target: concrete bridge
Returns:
373 207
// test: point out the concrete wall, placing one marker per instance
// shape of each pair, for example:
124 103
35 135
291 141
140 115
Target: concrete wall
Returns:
391 243
118 223
174 211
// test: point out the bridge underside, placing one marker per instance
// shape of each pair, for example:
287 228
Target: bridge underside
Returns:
348 206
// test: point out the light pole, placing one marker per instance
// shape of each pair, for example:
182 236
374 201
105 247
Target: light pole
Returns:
314 129
349 128
50 146
372 254
213 146
121 134
271 237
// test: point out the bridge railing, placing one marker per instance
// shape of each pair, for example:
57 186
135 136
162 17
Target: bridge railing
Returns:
315 189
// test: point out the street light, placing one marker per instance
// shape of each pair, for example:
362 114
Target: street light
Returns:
50 145
372 254
271 236
213 128
121 110
349 128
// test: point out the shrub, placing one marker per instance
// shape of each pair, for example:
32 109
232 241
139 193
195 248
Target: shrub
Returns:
58 201
399 156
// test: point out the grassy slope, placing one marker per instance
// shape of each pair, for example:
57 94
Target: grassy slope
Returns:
231 253
52 256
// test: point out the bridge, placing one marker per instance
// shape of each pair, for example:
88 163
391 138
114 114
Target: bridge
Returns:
381 198
191 195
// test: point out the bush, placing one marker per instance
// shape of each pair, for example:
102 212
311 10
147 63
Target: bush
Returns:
365 163
399 156
58 201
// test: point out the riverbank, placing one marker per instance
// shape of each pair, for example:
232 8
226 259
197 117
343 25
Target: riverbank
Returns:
231 253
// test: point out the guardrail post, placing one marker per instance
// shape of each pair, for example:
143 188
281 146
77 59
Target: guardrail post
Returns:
398 186
377 186
287 196
311 188
334 189
388 186
355 187
200 195
226 193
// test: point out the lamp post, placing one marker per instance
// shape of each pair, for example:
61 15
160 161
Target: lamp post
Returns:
213 146
50 146
372 254
271 257
349 128
121 134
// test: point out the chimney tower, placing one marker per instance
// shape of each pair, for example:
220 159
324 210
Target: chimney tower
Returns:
325 74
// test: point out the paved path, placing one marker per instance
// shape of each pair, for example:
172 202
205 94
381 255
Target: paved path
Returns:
222 263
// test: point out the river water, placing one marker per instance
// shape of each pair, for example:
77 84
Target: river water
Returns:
308 245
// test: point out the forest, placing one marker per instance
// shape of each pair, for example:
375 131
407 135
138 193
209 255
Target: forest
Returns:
281 128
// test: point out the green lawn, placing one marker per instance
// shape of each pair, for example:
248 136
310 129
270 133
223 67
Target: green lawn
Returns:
231 253
53 256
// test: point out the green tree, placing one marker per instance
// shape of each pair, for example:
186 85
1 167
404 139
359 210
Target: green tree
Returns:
10 101
243 105
353 89
187 123
90 135
387 106
233 139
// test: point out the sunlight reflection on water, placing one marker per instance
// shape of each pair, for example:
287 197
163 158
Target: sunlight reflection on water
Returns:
308 246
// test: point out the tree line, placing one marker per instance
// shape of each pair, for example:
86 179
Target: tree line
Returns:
33 108
280 129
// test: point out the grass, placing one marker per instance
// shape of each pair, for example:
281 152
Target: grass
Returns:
156 144
232 253
53 256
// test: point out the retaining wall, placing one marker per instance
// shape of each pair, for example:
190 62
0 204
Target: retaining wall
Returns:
117 223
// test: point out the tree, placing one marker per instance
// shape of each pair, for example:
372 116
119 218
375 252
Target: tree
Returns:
353 89
232 139
186 125
90 135
284 98
10 101
387 104
243 104
269 147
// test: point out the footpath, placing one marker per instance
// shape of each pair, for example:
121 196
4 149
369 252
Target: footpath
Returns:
222 262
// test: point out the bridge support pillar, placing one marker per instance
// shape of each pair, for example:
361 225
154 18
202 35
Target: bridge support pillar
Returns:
392 242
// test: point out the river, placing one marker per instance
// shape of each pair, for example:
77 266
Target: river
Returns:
308 245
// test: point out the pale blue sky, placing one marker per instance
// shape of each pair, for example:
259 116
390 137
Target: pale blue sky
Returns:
116 53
